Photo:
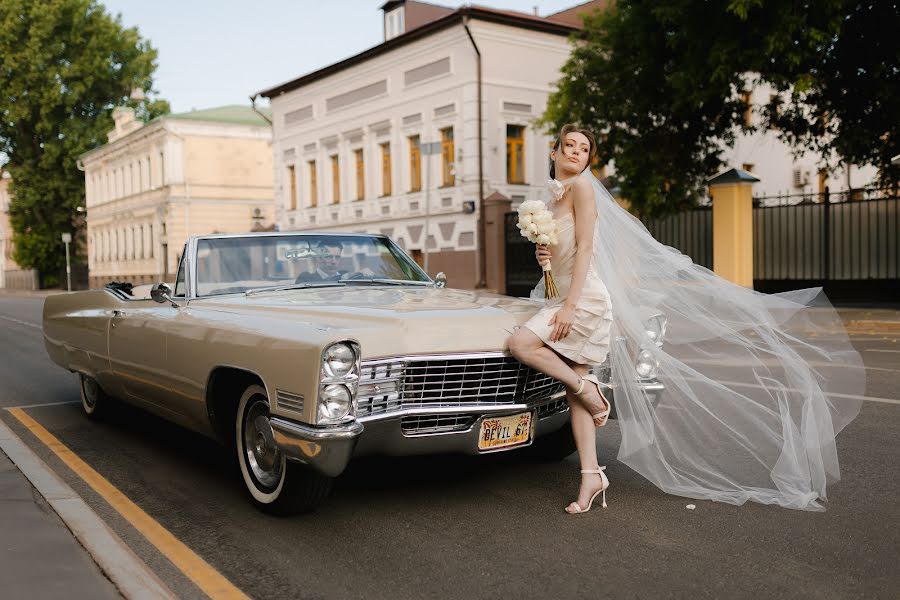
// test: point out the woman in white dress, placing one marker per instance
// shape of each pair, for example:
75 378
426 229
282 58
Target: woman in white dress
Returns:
571 332
756 386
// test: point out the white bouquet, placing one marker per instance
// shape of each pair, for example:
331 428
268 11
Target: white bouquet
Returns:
536 223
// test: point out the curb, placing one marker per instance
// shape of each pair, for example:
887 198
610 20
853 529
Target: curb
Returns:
127 572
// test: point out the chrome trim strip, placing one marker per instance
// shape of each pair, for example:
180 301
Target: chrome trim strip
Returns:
462 408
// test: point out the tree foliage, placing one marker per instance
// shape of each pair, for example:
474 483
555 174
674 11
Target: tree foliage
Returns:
660 83
64 65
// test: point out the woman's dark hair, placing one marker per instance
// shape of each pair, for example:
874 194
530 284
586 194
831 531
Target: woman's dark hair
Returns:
566 130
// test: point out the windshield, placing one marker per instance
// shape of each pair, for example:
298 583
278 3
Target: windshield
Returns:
239 264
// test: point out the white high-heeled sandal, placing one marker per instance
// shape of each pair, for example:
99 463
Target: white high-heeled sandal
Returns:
602 490
603 414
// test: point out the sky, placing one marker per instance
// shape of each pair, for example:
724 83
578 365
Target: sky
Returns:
217 52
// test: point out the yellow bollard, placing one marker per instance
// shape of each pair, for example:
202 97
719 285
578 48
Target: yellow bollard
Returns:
732 194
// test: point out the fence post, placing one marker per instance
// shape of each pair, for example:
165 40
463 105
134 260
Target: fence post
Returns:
732 194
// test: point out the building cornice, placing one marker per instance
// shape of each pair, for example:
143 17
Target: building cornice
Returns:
523 21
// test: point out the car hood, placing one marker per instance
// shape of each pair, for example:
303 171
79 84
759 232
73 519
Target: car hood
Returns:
390 320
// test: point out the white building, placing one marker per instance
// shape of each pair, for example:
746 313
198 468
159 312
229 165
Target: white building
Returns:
154 185
351 140
781 170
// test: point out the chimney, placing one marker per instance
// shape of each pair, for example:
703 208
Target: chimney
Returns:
123 116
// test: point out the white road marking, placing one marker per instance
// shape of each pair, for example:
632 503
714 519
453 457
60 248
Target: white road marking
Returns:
46 404
26 323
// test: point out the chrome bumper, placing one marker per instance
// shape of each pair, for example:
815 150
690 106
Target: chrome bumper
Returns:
327 450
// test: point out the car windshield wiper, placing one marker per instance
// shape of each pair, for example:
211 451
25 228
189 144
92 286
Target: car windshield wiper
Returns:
389 281
295 286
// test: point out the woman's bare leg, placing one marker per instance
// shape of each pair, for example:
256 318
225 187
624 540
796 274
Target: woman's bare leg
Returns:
529 349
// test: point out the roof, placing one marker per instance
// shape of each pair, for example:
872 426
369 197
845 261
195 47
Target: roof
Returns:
233 113
733 175
574 15
505 17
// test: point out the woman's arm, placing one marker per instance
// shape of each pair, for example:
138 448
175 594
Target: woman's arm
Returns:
585 221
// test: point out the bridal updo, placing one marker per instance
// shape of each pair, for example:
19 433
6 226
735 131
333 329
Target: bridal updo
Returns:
566 130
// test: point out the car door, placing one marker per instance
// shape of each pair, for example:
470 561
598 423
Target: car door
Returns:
138 353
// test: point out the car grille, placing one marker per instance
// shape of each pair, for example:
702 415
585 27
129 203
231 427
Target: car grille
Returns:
447 381
429 424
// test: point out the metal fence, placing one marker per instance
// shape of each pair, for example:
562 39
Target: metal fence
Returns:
690 232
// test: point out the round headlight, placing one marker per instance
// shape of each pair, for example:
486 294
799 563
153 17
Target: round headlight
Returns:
646 365
339 360
656 329
335 403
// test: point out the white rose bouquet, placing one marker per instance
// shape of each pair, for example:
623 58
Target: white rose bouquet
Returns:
536 223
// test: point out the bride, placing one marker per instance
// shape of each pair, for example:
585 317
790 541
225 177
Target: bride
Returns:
757 386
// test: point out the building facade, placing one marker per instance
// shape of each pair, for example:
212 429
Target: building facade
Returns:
154 185
11 275
388 141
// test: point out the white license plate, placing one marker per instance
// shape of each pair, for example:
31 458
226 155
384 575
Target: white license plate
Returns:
504 432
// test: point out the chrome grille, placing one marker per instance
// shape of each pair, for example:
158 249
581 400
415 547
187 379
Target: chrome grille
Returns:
447 381
557 406
428 424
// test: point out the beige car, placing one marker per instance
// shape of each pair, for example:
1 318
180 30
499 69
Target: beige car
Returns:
301 351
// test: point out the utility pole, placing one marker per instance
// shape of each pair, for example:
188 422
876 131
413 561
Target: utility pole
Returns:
428 149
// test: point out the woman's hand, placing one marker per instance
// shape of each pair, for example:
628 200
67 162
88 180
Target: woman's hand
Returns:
542 254
562 321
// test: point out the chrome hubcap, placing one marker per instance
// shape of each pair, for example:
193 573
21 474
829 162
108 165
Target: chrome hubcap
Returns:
263 456
90 391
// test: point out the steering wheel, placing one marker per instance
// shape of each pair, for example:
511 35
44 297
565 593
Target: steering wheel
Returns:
356 275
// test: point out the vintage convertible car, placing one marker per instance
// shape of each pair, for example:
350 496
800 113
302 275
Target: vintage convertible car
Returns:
300 351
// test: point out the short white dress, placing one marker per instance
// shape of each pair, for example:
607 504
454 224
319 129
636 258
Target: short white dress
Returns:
589 338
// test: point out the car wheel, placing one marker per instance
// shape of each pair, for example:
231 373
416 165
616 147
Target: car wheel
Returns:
94 400
274 484
554 446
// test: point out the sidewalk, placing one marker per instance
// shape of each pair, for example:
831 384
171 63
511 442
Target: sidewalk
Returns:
39 556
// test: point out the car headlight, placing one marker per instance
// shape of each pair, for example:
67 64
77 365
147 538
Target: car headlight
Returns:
335 402
656 329
646 365
338 360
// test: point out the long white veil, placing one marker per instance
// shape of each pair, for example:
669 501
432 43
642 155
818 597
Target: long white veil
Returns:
756 385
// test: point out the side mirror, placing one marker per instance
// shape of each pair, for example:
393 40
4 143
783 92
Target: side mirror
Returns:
162 293
440 280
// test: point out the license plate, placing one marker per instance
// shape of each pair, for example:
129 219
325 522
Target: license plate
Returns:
503 432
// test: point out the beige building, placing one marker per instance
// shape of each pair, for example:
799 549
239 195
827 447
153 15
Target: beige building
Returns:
11 274
427 137
155 184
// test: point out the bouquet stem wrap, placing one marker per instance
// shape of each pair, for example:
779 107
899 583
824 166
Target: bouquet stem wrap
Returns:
550 290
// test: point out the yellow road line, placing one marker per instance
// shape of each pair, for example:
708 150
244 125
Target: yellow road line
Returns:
213 583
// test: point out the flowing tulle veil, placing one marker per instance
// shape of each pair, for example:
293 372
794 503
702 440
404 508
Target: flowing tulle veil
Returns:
756 385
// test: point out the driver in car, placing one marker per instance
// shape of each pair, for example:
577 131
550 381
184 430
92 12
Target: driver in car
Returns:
327 262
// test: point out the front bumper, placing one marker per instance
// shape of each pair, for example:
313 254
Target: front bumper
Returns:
328 450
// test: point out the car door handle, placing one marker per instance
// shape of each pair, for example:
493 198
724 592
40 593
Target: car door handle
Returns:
118 313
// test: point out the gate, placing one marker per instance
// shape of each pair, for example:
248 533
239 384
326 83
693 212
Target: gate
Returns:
522 270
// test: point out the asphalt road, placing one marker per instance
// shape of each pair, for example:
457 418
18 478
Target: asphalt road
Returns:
475 527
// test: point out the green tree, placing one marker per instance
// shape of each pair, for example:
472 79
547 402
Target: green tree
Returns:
64 65
660 83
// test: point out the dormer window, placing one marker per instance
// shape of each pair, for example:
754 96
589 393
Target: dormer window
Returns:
393 23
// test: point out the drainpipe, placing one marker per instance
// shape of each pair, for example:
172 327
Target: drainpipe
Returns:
482 258
256 110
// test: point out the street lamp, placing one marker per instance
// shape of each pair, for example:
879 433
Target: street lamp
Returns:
67 239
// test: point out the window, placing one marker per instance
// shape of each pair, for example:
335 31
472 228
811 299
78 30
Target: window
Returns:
335 180
745 100
313 186
386 169
449 175
415 164
292 179
747 167
360 175
515 154
180 287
